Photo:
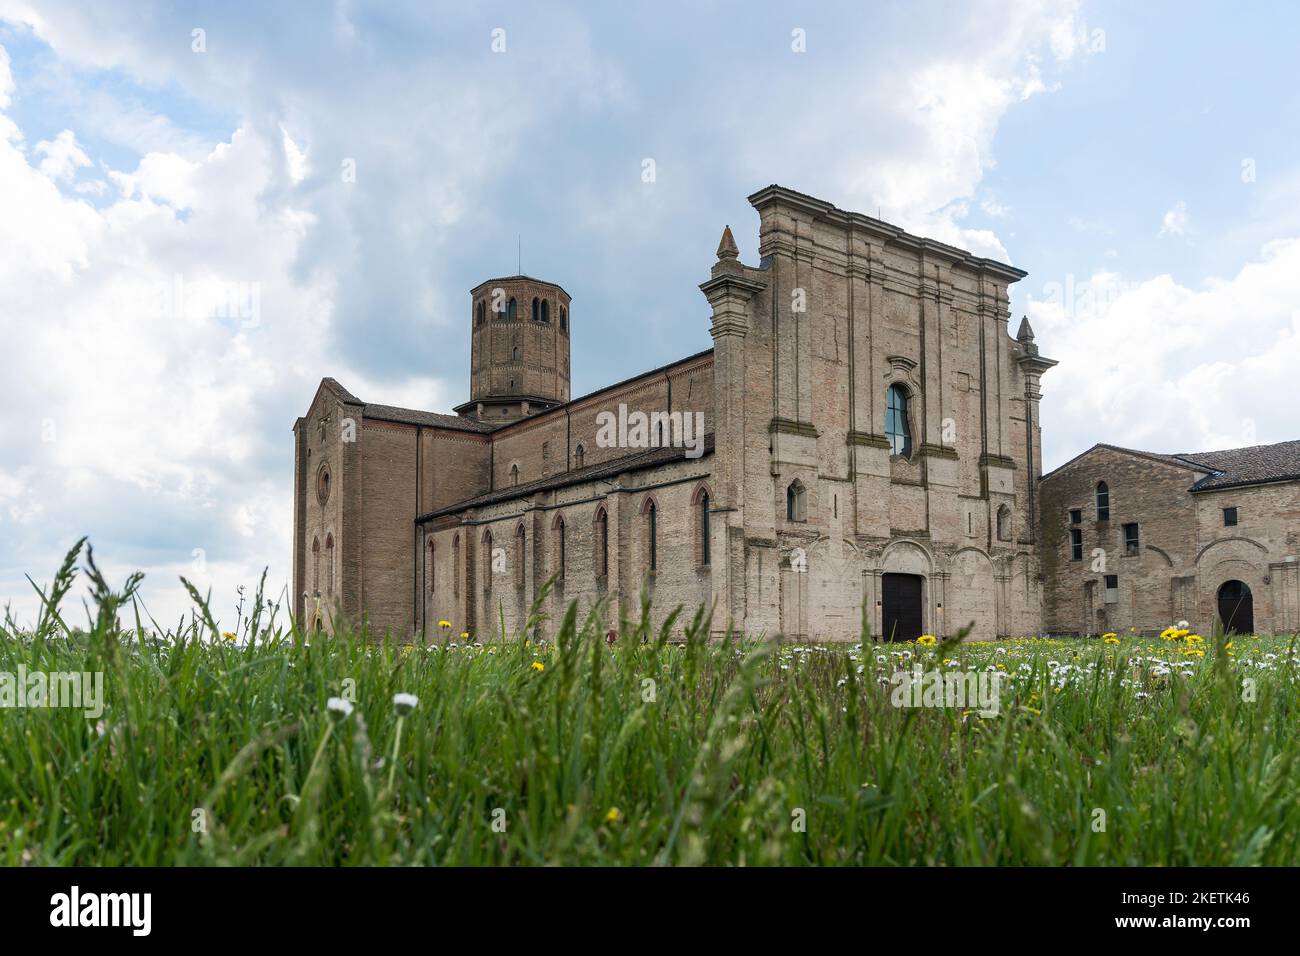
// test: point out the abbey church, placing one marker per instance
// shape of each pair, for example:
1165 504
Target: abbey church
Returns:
860 447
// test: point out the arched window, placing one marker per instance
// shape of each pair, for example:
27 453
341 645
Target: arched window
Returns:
702 525
455 566
650 514
601 549
481 313
514 354
1004 523
1103 501
537 309
546 311
432 568
564 319
557 533
511 310
898 428
329 563
315 566
796 502
487 560
519 556
514 474
579 456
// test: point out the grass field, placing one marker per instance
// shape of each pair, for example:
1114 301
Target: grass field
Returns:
569 751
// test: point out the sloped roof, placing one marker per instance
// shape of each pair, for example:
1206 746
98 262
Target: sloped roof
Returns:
1251 465
412 416
637 461
1227 468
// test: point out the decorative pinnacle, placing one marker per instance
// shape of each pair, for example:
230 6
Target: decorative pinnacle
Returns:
1025 334
727 248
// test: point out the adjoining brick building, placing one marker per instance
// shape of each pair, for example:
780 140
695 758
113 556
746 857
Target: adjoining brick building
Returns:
870 451
1132 539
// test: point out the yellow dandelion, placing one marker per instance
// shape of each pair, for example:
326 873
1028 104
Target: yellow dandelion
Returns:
229 635
538 666
1194 639
445 625
1108 635
464 635
927 640
614 815
1110 639
1194 652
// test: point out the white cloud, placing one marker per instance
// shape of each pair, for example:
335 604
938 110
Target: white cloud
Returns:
1176 220
1160 366
63 156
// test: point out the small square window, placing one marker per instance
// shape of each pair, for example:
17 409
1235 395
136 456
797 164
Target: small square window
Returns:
1229 517
1111 594
1076 516
1132 544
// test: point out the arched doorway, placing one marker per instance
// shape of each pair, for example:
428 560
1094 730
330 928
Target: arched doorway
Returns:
1236 608
900 607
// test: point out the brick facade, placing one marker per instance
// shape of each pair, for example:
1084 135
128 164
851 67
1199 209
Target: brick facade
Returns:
812 516
1185 551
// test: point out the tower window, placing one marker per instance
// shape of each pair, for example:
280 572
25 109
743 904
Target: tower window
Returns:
1076 516
564 319
796 502
514 354
579 456
546 311
1076 544
514 474
897 427
511 310
1103 501
1229 517
1131 541
537 310
481 314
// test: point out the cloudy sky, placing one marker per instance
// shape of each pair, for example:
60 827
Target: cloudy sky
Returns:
206 207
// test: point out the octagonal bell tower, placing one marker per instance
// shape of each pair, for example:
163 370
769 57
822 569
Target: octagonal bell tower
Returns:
519 348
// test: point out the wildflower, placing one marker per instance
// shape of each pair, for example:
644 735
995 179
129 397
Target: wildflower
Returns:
1194 639
614 815
229 635
1109 634
1194 652
1168 633
445 625
464 635
538 666
927 640
339 709
1110 639
404 703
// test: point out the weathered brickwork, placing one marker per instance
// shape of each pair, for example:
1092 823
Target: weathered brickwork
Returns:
1185 552
823 509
